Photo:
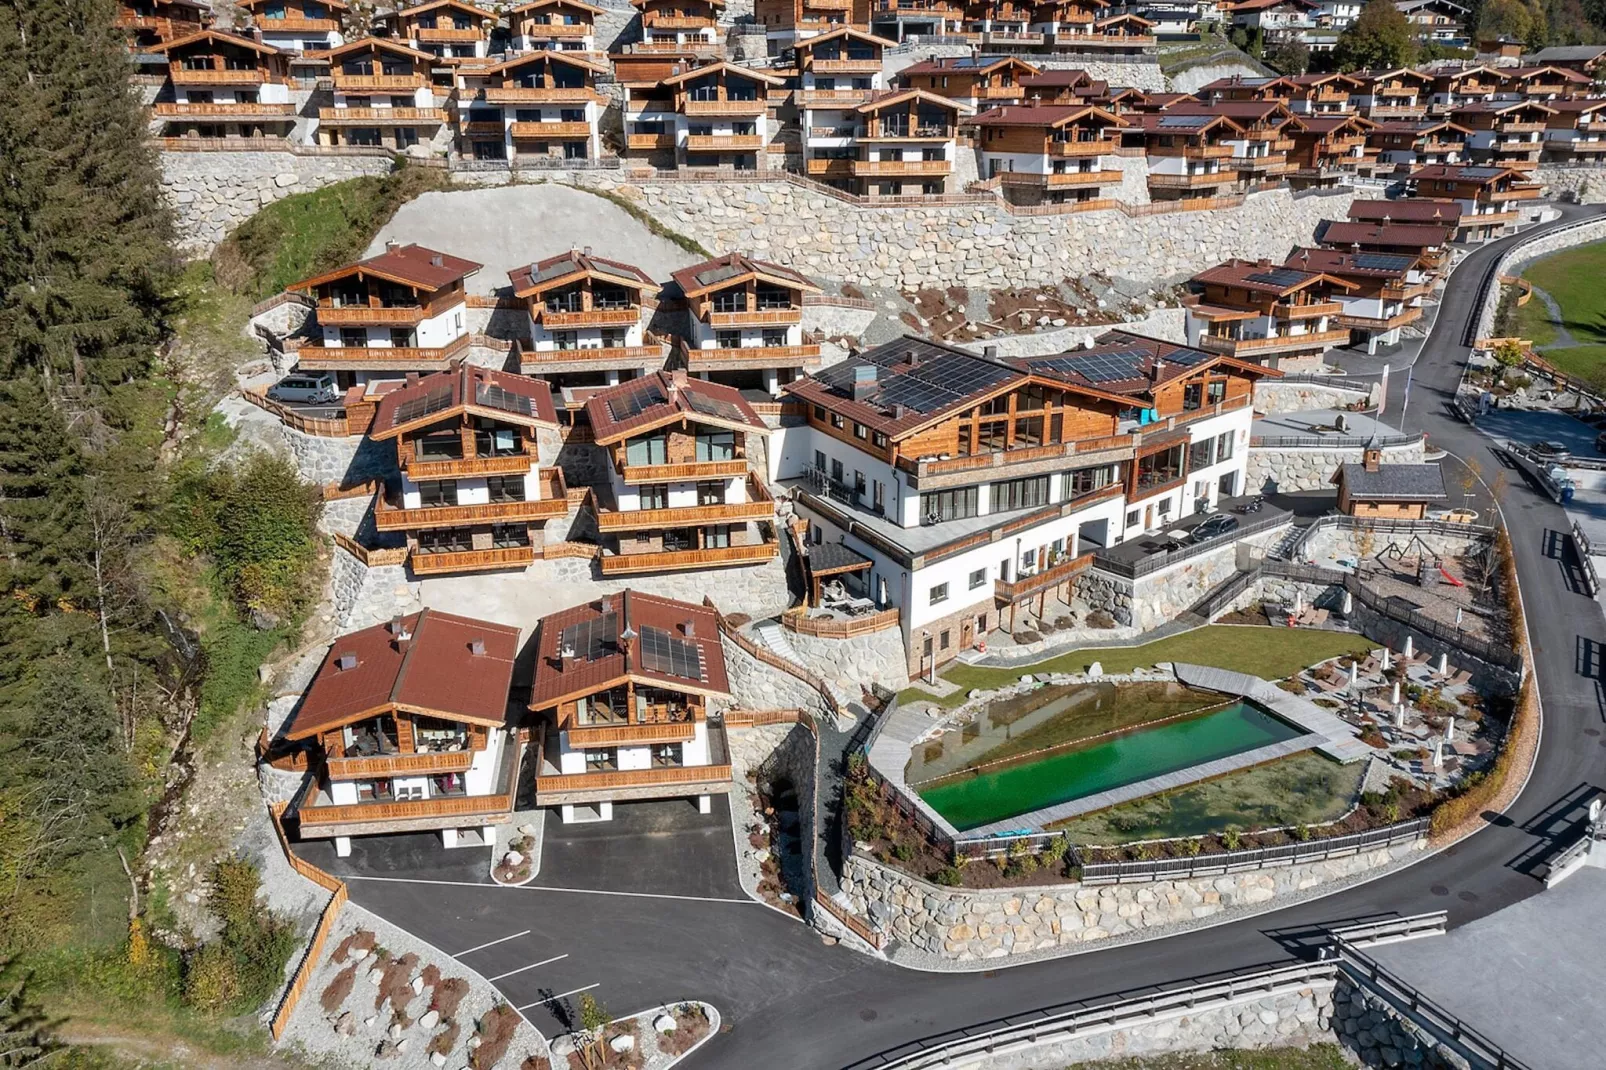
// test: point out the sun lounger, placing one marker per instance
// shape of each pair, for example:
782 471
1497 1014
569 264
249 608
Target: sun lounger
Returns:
1461 677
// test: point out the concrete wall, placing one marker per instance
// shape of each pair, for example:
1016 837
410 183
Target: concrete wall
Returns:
1513 262
1273 395
969 925
1151 601
1288 470
211 193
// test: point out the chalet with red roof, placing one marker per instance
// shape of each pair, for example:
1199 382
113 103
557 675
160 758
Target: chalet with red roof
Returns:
297 26
588 319
1490 198
1051 154
383 96
1260 311
744 323
1387 292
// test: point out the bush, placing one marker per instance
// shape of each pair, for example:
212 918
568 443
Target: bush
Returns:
948 877
211 983
244 966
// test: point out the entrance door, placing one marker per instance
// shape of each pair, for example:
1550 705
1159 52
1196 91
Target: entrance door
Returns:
967 634
1148 517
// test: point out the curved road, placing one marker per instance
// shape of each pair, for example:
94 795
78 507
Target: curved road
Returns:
794 1004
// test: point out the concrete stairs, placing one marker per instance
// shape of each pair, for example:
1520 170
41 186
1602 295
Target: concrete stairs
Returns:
772 635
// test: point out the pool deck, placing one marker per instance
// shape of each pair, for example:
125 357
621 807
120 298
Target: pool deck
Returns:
1338 740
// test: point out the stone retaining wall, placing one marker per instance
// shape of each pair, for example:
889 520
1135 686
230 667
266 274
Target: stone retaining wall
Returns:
1585 185
211 193
1513 262
365 595
1274 470
1162 323
954 926
756 685
1378 1035
1272 395
341 461
851 665
1151 601
1335 541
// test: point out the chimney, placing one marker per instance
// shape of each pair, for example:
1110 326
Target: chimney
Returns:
477 648
412 378
897 410
392 246
435 261
587 250
346 662
689 628
911 359
605 606
864 381
677 378
990 352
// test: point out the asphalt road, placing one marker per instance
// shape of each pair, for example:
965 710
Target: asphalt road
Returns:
795 1004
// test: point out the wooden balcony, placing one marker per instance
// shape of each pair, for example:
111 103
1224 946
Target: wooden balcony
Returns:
751 357
726 107
356 315
426 764
448 34
1398 111
689 470
902 168
830 98
224 111
1000 92
591 317
880 133
724 142
332 819
826 5
350 82
761 317
333 358
846 66
425 563
630 735
677 560
831 169
390 518
493 129
1282 343
1064 149
254 76
650 142
1199 181
1520 128
759 506
553 788
511 464
555 30
1011 37
525 95
296 25
1382 323
551 131
1066 179
1525 192
1191 152
1027 586
381 116
618 356
1311 310
653 21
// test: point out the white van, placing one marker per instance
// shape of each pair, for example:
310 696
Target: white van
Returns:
311 389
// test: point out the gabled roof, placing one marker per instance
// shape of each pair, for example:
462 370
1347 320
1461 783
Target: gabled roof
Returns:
1328 124
1311 81
649 3
965 65
1135 365
1372 77
1044 115
1499 107
556 270
628 636
459 5
1408 210
1568 53
723 271
410 265
842 33
1124 17
1262 5
464 390
1264 277
217 37
1243 112
1342 263
884 98
339 5
1416 127
1401 235
429 667
569 57
1461 173
1239 81
1455 74
714 68
1392 482
663 398
1188 125
1060 77
386 44
1576 105
1408 6
536 5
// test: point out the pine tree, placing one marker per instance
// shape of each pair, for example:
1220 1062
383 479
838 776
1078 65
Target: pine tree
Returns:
43 535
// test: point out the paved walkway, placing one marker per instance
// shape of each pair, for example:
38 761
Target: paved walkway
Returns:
1564 337
1338 739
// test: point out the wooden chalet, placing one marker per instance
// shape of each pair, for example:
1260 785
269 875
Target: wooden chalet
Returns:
1053 154
543 104
792 23
383 95
1263 312
977 82
149 23
745 322
1261 144
1326 146
673 25
588 319
224 88
1426 243
1577 131
297 26
1387 294
1388 491
1488 197
715 115
1190 156
450 30
1393 95
1505 133
1411 143
554 26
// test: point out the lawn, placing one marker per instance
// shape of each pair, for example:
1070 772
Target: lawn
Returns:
1315 1057
1270 653
1303 789
1573 279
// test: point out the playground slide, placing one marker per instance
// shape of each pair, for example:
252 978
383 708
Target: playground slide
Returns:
1449 578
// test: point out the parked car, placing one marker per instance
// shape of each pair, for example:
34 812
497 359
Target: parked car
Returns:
1549 448
306 389
1214 527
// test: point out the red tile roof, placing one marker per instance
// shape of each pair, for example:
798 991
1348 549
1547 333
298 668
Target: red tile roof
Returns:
1341 263
667 397
1399 235
412 265
1407 210
436 671
1259 276
1043 115
724 270
532 277
602 655
465 388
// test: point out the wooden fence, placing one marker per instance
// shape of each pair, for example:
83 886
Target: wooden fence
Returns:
296 420
373 558
798 620
320 935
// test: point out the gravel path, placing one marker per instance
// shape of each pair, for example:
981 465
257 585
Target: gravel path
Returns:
1564 337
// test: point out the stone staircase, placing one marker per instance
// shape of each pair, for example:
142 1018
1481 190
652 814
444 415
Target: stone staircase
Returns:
772 635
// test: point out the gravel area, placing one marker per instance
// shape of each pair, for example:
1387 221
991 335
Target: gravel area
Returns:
355 1033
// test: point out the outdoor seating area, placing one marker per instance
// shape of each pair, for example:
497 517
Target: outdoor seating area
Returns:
839 602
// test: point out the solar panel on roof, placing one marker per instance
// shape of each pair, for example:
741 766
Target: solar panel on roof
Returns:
665 653
431 403
719 274
1188 357
1185 121
1382 262
636 400
492 396
1278 277
711 406
591 639
551 271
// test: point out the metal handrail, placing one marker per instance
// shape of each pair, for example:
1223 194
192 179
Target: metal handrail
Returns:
1253 857
1157 561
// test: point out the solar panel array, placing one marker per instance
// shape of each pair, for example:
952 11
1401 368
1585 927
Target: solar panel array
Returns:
662 652
1382 262
1098 366
1184 122
720 274
712 406
492 396
1278 277
591 639
565 266
642 395
431 403
1188 357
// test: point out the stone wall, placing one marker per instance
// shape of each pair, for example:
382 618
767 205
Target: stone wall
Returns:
1273 395
1584 185
1162 323
851 665
1334 541
365 595
1151 601
341 461
1513 262
1283 471
969 925
211 193
1378 1035
837 321
756 685
1191 79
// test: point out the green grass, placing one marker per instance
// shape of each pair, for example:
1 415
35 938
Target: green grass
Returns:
1315 1057
1271 653
1581 362
1573 278
1302 789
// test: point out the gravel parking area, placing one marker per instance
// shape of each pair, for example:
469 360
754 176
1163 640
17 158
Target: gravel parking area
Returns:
510 226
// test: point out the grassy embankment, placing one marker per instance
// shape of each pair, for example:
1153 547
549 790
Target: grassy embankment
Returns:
1573 278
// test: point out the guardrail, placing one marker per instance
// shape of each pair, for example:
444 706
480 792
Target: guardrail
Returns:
1252 858
1388 527
1490 276
1500 656
1165 559
1392 930
1342 442
1586 559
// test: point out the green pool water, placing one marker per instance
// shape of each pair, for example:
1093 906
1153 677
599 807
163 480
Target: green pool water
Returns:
970 800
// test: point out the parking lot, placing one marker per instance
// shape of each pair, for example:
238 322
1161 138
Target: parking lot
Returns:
614 911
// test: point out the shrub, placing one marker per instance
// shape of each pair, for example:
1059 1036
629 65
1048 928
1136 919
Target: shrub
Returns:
211 983
496 1031
948 877
245 964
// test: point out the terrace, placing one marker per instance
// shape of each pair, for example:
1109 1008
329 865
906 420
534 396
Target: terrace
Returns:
663 780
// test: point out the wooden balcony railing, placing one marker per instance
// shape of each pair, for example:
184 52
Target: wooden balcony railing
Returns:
551 131
452 761
1168 181
832 168
799 621
481 129
1056 180
390 518
511 464
629 356
1233 346
327 358
1053 576
345 82
756 356
434 563
690 470
369 116
671 560
1191 152
287 25
726 107
446 34
650 142
206 111
182 76
630 735
678 22
846 66
517 94
1382 323
591 317
1312 310
893 168
759 317
724 142
633 778
543 30
759 506
409 315
315 816
1080 148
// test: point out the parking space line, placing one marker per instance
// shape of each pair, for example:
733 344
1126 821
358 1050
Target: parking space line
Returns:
531 966
555 888
560 995
490 943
